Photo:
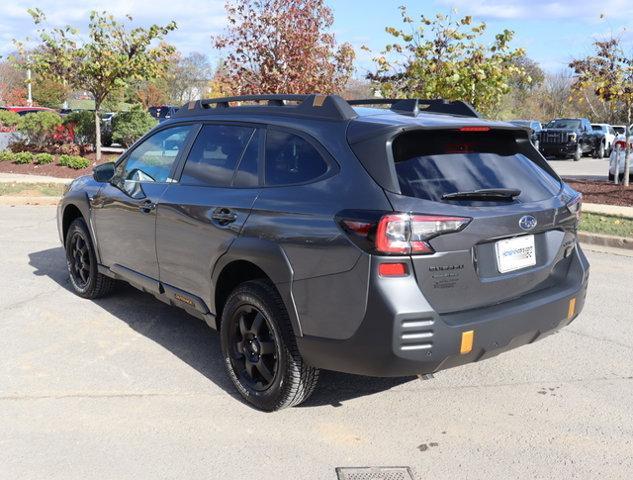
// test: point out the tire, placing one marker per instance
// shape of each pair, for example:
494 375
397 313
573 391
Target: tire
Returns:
81 261
259 349
577 154
599 152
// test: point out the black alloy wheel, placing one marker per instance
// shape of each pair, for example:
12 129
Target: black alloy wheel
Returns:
260 351
79 260
254 350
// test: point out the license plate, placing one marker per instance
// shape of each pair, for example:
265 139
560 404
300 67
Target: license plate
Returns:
515 253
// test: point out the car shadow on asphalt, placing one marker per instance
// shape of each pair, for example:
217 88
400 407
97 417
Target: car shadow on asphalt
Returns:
192 341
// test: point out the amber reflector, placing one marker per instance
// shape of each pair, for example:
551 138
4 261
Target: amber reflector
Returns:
467 342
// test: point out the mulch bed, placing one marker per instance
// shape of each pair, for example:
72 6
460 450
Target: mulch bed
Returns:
53 169
595 191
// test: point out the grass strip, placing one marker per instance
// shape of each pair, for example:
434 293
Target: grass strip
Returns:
31 189
606 224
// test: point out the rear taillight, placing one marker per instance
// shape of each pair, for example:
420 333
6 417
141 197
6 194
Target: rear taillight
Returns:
405 234
575 206
400 233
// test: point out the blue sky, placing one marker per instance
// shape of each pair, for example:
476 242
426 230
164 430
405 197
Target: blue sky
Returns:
552 32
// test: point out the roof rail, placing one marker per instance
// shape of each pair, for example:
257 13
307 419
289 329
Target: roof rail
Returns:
412 106
329 107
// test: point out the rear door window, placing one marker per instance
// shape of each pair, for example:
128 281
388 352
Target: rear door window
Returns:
247 174
215 154
290 159
430 164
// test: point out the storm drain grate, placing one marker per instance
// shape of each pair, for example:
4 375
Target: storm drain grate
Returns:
374 473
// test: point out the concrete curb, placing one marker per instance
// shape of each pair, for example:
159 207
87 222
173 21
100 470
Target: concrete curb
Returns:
15 200
606 240
603 209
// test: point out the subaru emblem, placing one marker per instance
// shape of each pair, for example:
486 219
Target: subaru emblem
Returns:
527 222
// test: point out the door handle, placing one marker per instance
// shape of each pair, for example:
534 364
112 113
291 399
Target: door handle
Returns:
147 206
224 216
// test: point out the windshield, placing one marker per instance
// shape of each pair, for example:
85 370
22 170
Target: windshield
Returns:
567 124
430 165
598 128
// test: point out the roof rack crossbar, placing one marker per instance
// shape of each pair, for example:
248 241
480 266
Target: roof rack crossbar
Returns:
331 107
412 106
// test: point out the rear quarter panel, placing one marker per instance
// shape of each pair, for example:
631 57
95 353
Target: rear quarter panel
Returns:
329 273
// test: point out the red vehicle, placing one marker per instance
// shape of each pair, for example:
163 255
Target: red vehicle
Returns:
24 110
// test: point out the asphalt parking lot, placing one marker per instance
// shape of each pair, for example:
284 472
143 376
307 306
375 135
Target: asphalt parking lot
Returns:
587 167
127 387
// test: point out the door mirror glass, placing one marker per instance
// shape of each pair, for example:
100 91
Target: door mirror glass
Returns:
133 188
104 172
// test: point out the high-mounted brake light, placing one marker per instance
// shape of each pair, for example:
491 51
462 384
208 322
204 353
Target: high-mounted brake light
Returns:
474 129
406 234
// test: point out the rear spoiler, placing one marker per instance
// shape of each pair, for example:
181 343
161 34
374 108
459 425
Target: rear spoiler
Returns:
413 106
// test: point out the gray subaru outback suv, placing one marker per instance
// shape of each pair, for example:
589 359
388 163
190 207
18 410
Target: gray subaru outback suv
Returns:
374 237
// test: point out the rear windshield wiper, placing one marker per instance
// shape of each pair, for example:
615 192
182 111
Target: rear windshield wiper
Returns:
491 194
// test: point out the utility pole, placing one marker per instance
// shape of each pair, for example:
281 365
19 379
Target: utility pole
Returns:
29 100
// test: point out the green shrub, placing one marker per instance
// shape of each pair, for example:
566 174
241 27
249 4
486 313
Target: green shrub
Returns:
127 127
38 127
73 161
8 120
22 157
83 125
6 156
43 158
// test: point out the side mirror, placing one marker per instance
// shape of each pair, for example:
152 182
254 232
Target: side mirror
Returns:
104 172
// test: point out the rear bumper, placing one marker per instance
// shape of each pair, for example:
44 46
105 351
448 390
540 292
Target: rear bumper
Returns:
401 335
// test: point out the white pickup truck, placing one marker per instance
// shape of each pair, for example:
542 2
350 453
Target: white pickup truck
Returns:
609 135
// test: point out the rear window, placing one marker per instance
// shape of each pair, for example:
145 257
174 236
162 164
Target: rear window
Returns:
432 163
161 112
290 159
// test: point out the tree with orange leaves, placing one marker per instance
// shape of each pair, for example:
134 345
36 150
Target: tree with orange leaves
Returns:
283 46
